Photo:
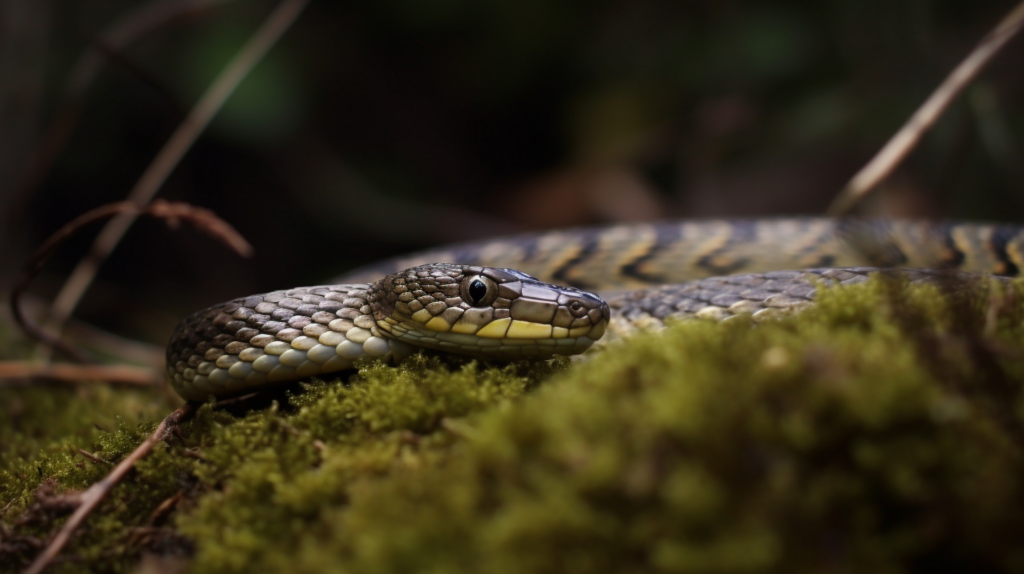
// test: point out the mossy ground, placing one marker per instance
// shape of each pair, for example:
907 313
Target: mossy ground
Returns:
878 432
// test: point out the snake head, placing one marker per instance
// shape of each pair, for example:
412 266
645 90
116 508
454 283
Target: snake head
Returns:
486 312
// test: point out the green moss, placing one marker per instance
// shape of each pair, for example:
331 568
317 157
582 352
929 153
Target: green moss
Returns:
43 428
828 442
39 491
879 431
271 469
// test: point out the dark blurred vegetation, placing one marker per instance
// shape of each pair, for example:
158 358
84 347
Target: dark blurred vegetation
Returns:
376 128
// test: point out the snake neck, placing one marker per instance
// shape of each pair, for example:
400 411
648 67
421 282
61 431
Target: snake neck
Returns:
279 336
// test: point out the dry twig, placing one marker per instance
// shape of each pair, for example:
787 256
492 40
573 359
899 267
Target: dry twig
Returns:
172 213
168 158
164 508
95 340
137 23
118 374
886 160
92 497
92 457
95 494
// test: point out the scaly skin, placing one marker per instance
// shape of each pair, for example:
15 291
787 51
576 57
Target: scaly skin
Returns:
655 272
260 340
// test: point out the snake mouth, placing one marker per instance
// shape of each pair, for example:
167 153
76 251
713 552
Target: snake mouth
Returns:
506 348
487 312
525 344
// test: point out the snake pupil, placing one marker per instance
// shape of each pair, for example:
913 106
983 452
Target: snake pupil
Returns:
575 305
477 291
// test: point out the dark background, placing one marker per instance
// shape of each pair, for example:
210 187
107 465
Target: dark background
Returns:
375 128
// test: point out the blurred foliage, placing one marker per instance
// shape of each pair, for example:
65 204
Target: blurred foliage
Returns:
377 128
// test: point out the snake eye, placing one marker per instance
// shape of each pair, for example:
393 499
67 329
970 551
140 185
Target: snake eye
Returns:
577 309
479 291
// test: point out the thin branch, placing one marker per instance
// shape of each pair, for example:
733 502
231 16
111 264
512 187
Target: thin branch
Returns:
121 349
172 213
119 374
168 158
235 400
144 77
92 497
137 23
92 457
95 494
92 339
880 166
164 508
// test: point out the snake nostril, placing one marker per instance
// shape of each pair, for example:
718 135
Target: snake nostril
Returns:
575 306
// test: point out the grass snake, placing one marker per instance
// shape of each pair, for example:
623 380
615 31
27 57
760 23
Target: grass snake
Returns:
481 307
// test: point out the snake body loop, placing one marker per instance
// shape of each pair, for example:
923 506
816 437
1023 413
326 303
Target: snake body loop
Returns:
470 310
647 273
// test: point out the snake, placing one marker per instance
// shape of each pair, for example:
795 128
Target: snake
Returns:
537 295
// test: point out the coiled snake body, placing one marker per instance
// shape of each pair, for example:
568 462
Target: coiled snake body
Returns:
479 307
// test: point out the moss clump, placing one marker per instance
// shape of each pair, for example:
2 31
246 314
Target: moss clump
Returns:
880 431
279 462
282 470
40 490
845 440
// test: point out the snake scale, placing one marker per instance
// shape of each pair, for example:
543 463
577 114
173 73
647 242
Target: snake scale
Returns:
480 307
